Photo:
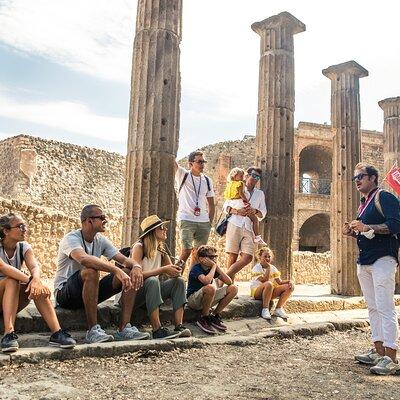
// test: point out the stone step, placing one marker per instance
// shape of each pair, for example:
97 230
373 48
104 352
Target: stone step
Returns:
29 319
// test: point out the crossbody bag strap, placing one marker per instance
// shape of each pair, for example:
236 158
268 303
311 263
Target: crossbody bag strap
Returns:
183 181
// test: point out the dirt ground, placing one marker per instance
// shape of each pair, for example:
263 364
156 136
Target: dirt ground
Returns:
302 368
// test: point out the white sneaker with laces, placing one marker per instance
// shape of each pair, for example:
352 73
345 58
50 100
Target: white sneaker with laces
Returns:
386 366
280 312
370 358
265 314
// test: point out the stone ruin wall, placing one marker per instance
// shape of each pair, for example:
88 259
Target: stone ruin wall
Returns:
47 228
52 180
61 176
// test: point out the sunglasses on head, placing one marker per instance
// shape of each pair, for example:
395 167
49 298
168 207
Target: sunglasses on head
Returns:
101 217
255 176
359 177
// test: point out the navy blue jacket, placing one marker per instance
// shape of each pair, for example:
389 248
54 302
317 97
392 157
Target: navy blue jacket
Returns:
381 245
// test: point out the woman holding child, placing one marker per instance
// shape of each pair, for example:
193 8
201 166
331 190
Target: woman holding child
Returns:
17 288
267 284
150 252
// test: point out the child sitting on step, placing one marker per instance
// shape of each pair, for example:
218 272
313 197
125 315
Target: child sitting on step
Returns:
266 284
235 191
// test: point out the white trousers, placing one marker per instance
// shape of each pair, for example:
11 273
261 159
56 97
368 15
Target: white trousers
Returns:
377 283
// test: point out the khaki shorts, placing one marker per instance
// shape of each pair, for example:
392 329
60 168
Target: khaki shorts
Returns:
194 234
195 300
239 240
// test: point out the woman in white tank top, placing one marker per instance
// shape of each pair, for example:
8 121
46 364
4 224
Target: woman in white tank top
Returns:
150 253
17 288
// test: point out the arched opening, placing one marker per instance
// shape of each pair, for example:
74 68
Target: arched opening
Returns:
315 168
315 234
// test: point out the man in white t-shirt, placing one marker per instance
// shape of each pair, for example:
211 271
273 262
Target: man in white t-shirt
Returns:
77 283
239 234
196 204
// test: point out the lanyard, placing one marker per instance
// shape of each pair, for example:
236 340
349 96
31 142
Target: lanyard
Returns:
197 193
363 207
84 245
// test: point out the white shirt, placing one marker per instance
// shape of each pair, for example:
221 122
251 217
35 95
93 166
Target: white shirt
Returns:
187 196
256 200
14 261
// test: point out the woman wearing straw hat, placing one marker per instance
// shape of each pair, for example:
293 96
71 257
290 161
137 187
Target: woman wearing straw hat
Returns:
150 252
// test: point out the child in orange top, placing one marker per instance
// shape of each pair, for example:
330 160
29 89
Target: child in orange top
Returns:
235 191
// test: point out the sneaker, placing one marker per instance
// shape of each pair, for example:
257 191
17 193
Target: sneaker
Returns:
62 339
280 312
259 240
164 333
97 335
205 325
265 314
131 333
216 322
370 358
183 331
9 343
386 366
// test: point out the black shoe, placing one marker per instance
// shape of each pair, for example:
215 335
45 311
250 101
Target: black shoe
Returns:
62 339
9 343
183 331
164 333
216 322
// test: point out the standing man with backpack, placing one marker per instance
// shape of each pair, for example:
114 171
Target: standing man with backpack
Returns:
196 206
376 227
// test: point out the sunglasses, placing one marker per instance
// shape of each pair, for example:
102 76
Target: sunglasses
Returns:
21 227
358 177
200 162
212 256
101 217
255 176
162 228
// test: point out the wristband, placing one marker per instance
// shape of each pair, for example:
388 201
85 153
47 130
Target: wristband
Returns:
29 281
137 266
369 234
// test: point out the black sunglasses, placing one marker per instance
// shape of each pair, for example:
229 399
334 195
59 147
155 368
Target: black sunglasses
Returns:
200 162
22 227
101 217
358 177
213 256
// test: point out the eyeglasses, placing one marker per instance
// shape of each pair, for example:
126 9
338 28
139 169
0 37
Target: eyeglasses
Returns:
101 217
358 177
200 162
255 176
212 256
21 227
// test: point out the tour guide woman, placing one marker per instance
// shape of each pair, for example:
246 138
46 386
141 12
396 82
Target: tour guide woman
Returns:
150 252
17 288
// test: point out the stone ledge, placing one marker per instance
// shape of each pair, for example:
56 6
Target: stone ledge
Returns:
29 320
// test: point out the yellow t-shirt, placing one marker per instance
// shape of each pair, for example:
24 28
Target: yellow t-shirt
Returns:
233 190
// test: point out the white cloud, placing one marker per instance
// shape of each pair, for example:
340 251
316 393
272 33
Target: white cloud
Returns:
68 116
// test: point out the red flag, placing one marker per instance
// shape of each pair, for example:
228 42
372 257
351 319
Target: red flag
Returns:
393 178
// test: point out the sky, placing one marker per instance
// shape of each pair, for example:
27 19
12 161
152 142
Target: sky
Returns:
65 66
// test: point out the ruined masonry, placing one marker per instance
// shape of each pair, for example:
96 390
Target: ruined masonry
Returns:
153 117
345 116
275 131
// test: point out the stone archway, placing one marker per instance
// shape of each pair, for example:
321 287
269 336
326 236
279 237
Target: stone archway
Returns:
315 170
314 234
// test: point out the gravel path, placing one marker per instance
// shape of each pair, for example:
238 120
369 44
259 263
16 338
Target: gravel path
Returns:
302 368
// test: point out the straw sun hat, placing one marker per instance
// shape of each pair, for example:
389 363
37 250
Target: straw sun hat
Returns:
150 223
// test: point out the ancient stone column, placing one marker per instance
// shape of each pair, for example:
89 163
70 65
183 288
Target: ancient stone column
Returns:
345 119
153 117
275 131
391 143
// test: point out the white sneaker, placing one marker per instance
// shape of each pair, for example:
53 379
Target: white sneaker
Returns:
259 240
280 312
370 358
265 314
386 366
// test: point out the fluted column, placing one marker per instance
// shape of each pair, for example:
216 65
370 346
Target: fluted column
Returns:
345 120
391 143
275 131
153 116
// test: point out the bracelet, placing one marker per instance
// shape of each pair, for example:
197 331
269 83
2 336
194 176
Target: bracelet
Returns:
137 266
29 281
